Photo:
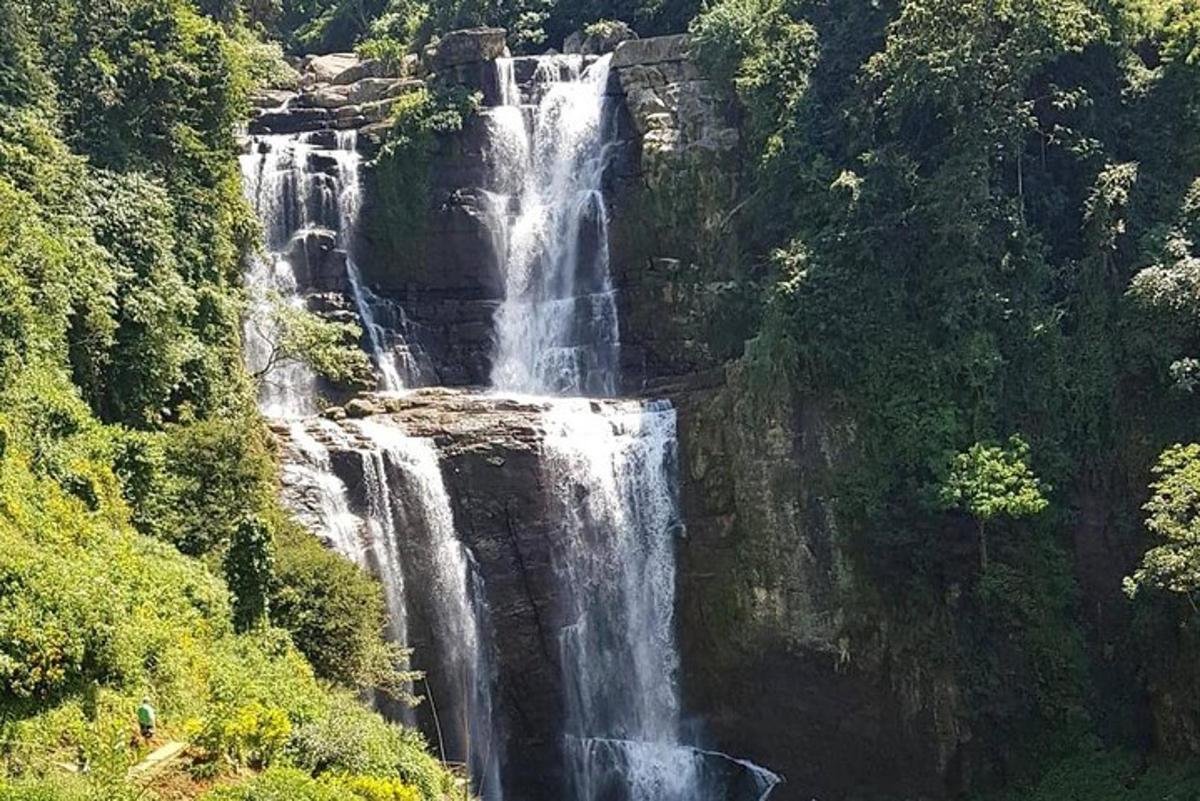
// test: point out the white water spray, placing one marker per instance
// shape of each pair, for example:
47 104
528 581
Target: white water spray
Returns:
557 327
301 185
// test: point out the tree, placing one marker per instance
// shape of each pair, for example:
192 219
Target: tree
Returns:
1174 508
293 334
987 481
249 571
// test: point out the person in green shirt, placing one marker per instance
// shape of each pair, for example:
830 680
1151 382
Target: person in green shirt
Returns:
146 718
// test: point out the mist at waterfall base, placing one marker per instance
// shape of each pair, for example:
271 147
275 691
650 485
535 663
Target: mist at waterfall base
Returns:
609 468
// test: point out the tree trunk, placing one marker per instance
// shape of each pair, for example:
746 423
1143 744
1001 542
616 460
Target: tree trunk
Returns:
983 548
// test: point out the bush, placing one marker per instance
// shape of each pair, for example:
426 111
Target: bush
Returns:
335 613
347 739
288 784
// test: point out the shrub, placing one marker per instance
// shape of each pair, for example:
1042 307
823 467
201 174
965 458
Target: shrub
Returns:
335 613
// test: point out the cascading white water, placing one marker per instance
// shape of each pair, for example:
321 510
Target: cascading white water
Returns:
371 540
405 535
288 197
612 473
447 598
610 468
556 329
300 184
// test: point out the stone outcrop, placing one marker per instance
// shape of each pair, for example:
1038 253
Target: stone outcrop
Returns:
764 587
469 46
598 39
338 92
678 114
326 68
675 249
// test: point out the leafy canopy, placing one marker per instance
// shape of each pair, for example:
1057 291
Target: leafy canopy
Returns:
989 481
1173 563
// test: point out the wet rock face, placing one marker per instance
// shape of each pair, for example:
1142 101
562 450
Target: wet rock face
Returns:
763 591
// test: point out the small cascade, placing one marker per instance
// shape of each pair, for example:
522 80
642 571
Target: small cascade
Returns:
370 538
447 598
557 327
306 187
404 533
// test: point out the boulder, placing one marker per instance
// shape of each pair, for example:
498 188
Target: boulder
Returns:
368 68
362 407
369 90
334 413
366 90
323 69
327 97
271 98
469 46
599 38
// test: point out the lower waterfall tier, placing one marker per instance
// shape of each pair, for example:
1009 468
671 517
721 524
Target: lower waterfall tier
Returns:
528 548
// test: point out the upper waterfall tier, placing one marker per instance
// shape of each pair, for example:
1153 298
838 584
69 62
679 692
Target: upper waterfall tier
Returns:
306 190
556 329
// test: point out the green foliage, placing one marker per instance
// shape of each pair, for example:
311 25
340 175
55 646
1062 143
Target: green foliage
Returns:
1095 775
336 615
250 571
191 484
1173 563
390 28
948 201
348 740
988 481
399 174
286 784
127 423
329 348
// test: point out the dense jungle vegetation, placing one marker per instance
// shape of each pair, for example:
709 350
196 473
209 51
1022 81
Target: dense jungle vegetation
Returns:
974 224
137 482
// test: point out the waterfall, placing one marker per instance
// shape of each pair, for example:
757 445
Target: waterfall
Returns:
607 470
556 329
447 598
303 186
611 468
307 185
612 476
405 535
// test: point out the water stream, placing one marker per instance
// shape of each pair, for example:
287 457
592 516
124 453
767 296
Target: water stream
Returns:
556 330
402 530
